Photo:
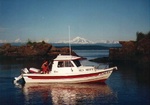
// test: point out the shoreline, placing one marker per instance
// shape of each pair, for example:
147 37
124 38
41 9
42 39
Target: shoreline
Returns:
32 51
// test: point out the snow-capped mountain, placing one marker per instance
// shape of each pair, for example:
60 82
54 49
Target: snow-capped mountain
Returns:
78 40
81 41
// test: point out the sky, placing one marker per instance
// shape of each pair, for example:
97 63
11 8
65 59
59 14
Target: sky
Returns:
95 20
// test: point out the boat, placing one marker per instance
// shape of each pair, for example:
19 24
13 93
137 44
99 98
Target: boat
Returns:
66 69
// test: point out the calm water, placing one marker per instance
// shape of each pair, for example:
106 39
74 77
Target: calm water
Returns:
129 85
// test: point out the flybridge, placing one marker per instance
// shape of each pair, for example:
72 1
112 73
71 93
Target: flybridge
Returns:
67 57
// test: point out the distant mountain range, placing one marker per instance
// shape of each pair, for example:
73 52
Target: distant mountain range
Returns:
76 40
79 40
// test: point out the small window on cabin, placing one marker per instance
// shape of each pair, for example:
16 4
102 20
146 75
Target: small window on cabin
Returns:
68 64
77 63
60 64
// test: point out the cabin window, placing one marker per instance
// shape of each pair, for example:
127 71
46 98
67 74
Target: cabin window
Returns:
68 64
60 64
65 64
77 63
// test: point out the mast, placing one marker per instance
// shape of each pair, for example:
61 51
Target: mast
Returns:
70 46
69 40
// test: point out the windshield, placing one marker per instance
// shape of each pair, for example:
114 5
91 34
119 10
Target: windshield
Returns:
77 63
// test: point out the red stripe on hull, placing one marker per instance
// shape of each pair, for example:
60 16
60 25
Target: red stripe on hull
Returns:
97 81
66 77
63 77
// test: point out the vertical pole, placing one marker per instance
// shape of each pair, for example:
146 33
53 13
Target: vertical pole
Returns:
69 40
70 46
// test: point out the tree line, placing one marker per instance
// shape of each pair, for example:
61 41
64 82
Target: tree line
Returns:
141 35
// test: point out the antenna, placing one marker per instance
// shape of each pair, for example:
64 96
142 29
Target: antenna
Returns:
69 40
70 46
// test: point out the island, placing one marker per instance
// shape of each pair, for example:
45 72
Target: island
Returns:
32 51
131 51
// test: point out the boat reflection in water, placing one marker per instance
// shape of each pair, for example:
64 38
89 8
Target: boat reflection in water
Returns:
68 94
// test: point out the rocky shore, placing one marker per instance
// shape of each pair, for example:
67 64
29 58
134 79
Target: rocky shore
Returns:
131 51
32 51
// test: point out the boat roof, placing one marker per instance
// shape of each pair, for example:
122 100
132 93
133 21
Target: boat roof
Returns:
66 57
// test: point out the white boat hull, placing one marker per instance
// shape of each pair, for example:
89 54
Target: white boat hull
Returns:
96 76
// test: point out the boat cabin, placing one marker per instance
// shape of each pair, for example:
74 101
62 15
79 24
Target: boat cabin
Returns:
68 64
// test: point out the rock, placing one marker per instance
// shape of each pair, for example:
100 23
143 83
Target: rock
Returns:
32 50
133 51
143 46
130 52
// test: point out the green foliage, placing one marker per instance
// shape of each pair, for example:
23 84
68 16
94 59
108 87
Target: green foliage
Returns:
29 42
140 35
43 42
